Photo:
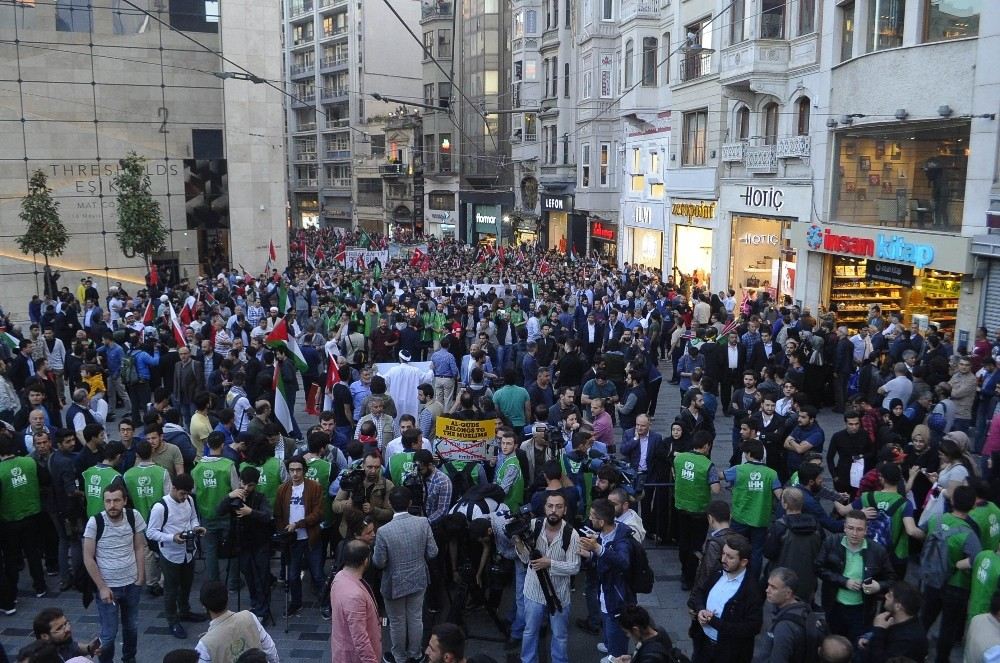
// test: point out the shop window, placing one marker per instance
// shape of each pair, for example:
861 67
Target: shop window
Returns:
743 123
629 55
585 164
695 138
807 17
649 46
772 19
737 19
951 19
803 107
605 163
846 31
885 24
910 179
771 124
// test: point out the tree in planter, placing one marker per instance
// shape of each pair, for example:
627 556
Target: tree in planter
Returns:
140 226
45 232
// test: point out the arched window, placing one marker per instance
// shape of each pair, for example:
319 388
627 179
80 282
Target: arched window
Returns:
743 123
771 123
629 56
802 107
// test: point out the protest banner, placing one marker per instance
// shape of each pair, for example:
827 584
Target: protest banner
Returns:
462 440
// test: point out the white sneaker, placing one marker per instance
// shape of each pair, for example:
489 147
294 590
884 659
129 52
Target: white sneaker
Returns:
606 659
601 647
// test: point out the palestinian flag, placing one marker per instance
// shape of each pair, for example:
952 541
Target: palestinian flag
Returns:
11 342
281 410
366 241
284 301
175 327
416 258
280 338
361 262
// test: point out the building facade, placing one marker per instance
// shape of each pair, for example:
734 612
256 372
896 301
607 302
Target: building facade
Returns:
86 84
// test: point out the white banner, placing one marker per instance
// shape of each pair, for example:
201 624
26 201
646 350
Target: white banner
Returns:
351 255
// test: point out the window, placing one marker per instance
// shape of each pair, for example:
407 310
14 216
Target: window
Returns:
605 163
737 14
378 145
585 165
428 42
607 10
545 77
530 127
636 162
606 85
588 85
654 163
697 62
656 191
441 200
568 12
445 153
566 80
552 145
192 15
666 58
803 107
695 138
518 30
771 124
807 17
629 55
429 94
846 31
518 71
638 183
444 44
444 95
952 19
555 14
73 16
530 70
772 19
531 22
885 24
743 123
649 47
565 150
555 77
429 154
491 82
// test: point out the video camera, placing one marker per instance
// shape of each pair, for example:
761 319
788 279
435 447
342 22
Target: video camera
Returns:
353 481
415 484
519 524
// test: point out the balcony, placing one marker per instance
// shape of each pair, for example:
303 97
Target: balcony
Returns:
304 99
793 147
335 94
305 126
334 124
326 4
392 169
733 152
338 155
338 182
306 183
761 159
298 70
330 63
305 155
641 9
300 9
753 58
437 8
335 33
694 66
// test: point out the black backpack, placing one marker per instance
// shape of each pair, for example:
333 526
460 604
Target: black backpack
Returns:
461 479
640 576
815 629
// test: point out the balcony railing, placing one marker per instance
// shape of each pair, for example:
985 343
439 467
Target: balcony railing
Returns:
641 9
695 66
305 98
307 182
793 147
323 4
305 155
302 69
334 93
306 126
303 40
339 154
336 32
342 123
761 159
436 8
299 9
392 169
327 63
733 152
339 182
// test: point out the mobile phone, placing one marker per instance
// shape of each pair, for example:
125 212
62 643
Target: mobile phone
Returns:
586 531
868 580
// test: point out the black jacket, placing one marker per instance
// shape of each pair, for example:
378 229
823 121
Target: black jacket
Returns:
253 530
830 568
908 639
797 550
785 641
739 623
654 650
840 455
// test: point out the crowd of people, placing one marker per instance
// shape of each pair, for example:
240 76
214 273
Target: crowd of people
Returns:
143 432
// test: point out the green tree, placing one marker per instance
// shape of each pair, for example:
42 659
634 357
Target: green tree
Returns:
45 232
140 226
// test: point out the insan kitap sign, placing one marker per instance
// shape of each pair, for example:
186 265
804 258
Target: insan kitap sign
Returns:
883 246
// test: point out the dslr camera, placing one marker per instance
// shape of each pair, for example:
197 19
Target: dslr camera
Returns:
353 482
190 538
519 524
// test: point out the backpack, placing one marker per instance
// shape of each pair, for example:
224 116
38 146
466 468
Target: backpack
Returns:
82 582
155 545
938 421
815 629
567 534
640 574
461 480
129 374
854 383
880 527
935 567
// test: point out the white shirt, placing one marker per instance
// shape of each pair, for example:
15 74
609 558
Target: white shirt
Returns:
723 590
396 446
297 509
734 356
181 516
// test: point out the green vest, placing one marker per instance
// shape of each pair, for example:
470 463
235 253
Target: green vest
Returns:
883 501
985 577
95 480
753 499
956 544
400 465
145 487
319 470
692 492
438 320
270 478
426 335
19 489
212 484
987 517
515 496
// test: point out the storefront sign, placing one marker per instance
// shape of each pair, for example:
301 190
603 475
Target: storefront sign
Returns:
769 198
643 215
756 239
884 247
888 272
557 203
487 218
694 210
599 231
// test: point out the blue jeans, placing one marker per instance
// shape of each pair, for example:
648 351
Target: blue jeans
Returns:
517 608
126 600
592 589
534 616
505 353
210 546
756 536
313 556
615 638
342 436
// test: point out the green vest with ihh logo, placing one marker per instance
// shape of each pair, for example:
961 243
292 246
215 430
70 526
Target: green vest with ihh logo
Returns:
19 489
212 484
515 496
692 493
400 465
95 480
145 487
270 478
319 469
752 494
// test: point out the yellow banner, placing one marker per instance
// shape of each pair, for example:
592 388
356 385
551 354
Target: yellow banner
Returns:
462 440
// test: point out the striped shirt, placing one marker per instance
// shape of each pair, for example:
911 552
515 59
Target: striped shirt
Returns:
565 564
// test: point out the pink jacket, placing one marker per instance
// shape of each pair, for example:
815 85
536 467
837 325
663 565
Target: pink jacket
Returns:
355 628
992 437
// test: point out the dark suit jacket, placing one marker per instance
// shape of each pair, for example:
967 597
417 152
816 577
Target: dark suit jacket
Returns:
758 358
740 621
188 381
18 372
586 347
657 455
715 360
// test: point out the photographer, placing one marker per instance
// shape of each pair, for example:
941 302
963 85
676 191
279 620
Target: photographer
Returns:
174 528
365 492
579 466
436 485
214 476
538 450
250 524
298 512
551 552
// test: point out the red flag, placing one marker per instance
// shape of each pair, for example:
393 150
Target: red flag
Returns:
341 256
272 254
417 258
426 264
503 255
154 276
148 315
175 327
332 373
361 261
544 268
481 255
319 254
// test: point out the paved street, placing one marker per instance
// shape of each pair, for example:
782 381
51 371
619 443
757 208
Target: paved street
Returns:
307 635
